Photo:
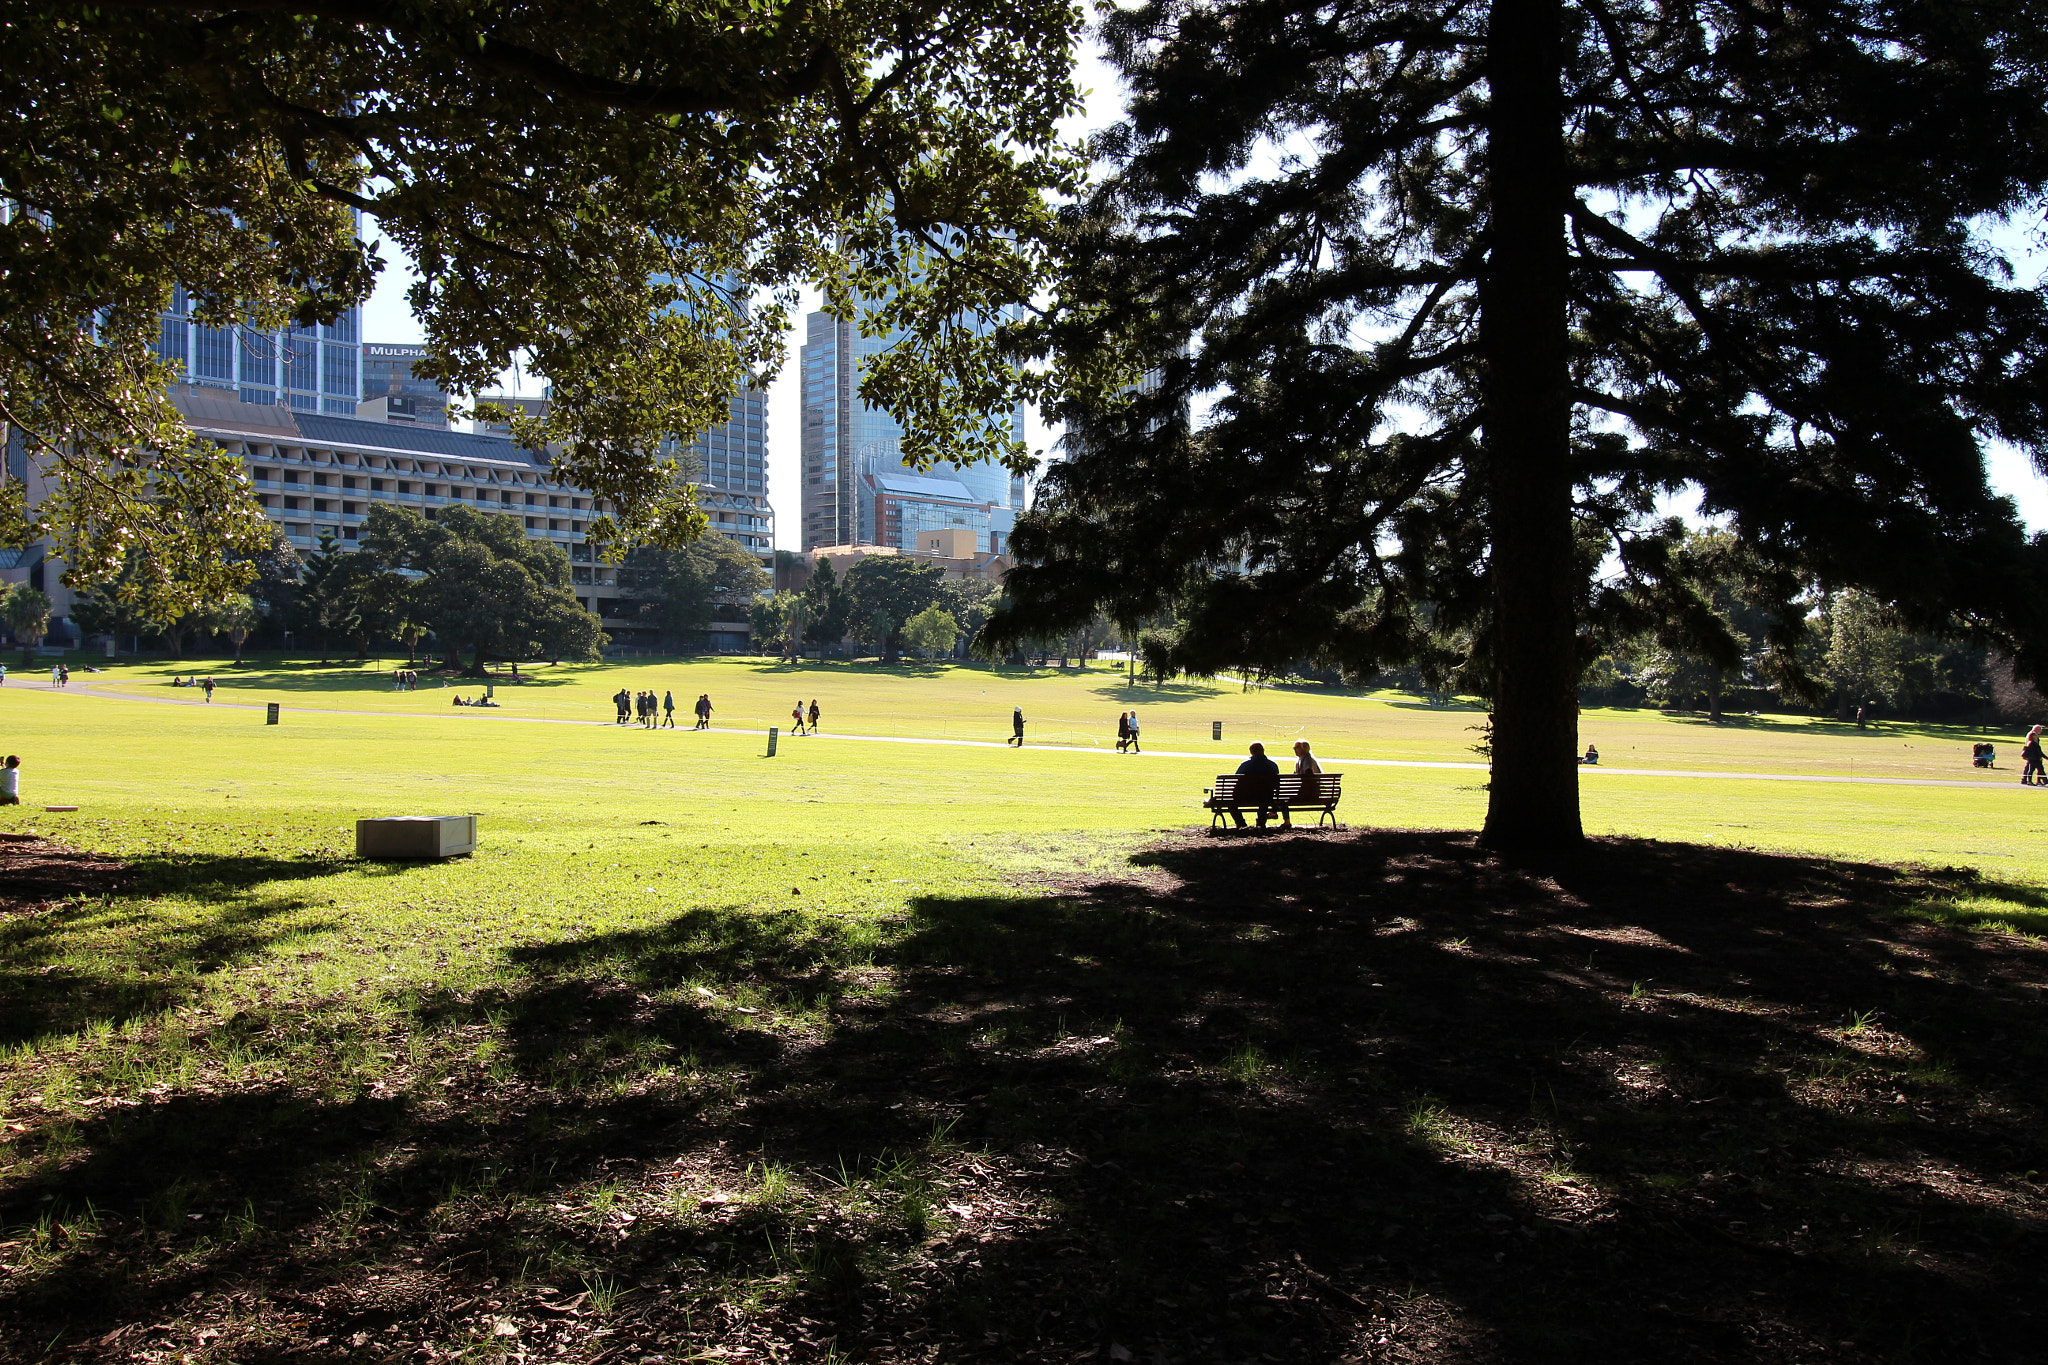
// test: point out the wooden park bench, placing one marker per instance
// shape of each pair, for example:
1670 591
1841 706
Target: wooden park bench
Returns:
1233 792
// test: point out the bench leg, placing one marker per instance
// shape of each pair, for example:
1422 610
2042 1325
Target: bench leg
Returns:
1330 814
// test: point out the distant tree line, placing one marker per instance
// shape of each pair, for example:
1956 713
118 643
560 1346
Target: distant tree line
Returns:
885 604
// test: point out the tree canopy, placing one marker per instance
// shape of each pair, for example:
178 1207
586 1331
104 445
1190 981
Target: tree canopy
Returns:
485 587
1471 286
885 591
689 585
610 192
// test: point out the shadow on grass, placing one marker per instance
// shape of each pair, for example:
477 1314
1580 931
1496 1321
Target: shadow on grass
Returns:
1374 1096
145 961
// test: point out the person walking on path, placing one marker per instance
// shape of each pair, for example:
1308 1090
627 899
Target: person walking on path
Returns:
10 782
2035 774
814 715
1134 733
1123 731
1017 726
623 701
796 718
209 685
668 710
703 710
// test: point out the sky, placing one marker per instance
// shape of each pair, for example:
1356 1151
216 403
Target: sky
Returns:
388 320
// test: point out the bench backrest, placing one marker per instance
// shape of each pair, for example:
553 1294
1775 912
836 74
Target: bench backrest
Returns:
1232 787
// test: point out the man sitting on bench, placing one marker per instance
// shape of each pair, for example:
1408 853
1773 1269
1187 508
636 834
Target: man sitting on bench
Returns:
1258 782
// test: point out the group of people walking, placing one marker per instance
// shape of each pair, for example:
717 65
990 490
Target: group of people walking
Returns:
647 707
657 710
1127 733
803 722
405 680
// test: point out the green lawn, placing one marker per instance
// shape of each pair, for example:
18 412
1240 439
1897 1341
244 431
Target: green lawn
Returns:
1078 709
402 1053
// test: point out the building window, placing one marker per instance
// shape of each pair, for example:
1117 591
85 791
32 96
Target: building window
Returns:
351 509
404 488
291 504
301 360
377 485
213 353
259 358
170 343
351 481
322 505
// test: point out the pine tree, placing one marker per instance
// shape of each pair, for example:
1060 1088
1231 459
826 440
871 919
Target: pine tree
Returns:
1471 285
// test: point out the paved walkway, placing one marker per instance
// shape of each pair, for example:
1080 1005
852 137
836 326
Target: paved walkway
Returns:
86 687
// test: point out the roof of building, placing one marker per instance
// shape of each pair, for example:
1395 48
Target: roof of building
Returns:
923 486
405 438
221 413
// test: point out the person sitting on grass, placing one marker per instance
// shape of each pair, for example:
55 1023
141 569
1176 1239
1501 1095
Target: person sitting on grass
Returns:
1258 779
1592 755
10 782
1983 755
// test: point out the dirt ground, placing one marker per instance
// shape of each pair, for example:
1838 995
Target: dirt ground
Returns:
1362 1096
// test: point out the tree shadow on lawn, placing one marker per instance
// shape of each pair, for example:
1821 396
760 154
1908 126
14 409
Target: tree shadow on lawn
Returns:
141 963
1378 1096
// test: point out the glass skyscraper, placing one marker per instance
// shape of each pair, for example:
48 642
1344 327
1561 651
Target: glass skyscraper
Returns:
393 393
850 449
729 464
309 369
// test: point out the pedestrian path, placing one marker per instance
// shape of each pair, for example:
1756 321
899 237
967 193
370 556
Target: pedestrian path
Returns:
85 687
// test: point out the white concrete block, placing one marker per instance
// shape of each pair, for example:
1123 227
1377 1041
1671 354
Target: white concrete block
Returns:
416 836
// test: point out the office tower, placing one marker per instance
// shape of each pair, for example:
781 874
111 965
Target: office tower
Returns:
393 393
729 464
307 369
856 488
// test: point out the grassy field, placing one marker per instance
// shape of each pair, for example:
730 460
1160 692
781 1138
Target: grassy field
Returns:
824 1055
1078 708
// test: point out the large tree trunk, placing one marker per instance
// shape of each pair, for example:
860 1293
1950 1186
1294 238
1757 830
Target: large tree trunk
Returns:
1533 800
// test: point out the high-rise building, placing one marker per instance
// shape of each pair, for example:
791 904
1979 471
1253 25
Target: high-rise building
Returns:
393 393
307 369
856 488
730 466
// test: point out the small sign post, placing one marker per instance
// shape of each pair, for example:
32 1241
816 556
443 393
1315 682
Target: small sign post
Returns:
773 731
1215 729
270 717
